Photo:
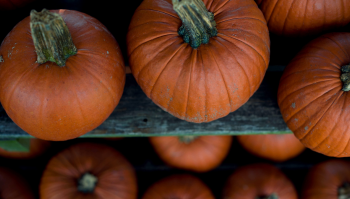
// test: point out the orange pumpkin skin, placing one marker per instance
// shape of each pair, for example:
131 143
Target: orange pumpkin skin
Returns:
324 179
179 187
311 99
203 84
61 103
258 180
304 17
116 176
202 154
12 186
37 147
277 148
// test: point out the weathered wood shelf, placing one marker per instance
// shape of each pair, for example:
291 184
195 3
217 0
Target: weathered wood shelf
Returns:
137 115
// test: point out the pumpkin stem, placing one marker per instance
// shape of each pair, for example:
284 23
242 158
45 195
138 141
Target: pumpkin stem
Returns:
51 37
187 139
272 196
344 191
198 23
1 59
87 183
345 77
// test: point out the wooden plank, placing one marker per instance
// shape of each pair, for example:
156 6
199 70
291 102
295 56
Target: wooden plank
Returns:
137 115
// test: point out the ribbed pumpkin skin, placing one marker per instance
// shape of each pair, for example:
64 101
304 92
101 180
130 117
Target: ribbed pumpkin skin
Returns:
13 4
116 177
37 147
311 99
304 17
258 180
207 83
12 186
61 103
324 179
179 187
202 154
277 148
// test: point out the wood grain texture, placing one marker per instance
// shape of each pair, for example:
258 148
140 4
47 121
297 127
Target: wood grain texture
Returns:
137 115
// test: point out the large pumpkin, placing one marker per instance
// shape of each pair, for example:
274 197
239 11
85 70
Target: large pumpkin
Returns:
12 186
196 153
36 148
259 181
311 98
277 148
179 187
328 180
62 98
192 77
13 4
304 17
88 170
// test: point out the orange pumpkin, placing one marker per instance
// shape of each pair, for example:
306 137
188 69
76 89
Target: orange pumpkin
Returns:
328 180
196 153
277 148
88 170
192 77
313 96
61 98
179 187
304 17
12 186
37 147
260 181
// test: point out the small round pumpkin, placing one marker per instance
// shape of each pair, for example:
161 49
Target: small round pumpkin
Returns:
198 60
65 85
313 95
88 170
277 148
179 187
37 147
260 181
304 17
328 180
12 186
196 153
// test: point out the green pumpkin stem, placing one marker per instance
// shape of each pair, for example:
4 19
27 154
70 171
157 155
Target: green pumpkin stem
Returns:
198 23
187 139
345 77
87 183
51 37
272 196
344 191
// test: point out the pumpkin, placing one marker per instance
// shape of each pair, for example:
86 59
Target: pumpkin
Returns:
53 97
12 186
180 187
259 181
13 4
198 60
196 153
304 17
328 180
274 147
88 170
36 148
313 96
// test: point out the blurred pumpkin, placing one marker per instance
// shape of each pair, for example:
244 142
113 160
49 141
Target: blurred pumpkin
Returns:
259 181
201 72
12 186
274 147
88 170
36 148
179 187
313 95
196 153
